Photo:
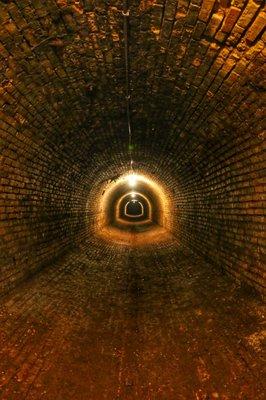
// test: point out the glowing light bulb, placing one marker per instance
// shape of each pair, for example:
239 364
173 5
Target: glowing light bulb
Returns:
133 195
132 180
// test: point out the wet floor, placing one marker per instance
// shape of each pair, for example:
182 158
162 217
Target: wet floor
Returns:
120 323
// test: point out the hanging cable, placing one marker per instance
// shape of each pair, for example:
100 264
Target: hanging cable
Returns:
126 13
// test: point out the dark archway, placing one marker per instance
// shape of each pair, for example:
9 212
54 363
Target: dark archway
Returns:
134 209
142 208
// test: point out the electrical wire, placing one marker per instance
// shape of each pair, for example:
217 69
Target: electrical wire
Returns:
126 14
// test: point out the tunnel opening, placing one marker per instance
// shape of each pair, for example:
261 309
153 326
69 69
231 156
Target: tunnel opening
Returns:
133 209
115 224
137 201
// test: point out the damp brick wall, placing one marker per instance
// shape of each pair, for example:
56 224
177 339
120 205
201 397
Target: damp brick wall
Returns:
222 211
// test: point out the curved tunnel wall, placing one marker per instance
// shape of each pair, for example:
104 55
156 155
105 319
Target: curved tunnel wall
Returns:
219 216
56 126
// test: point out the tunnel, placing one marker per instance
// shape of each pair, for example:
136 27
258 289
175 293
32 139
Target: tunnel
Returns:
132 199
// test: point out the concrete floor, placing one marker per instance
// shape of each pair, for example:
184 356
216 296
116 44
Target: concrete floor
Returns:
115 322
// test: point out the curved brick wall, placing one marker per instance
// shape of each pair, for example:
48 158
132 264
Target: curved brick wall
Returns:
197 107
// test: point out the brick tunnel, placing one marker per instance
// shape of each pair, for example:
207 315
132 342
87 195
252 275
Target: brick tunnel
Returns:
132 199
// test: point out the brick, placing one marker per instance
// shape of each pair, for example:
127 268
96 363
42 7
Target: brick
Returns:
196 87
230 19
248 13
206 8
257 27
66 322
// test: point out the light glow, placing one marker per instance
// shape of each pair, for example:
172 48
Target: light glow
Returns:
132 180
144 182
133 195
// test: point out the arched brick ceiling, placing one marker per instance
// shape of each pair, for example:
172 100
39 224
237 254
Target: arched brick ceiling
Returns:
196 69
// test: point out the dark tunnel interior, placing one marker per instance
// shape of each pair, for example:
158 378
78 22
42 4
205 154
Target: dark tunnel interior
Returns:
132 199
134 209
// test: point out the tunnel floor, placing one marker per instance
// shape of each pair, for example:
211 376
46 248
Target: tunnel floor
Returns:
135 234
118 322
